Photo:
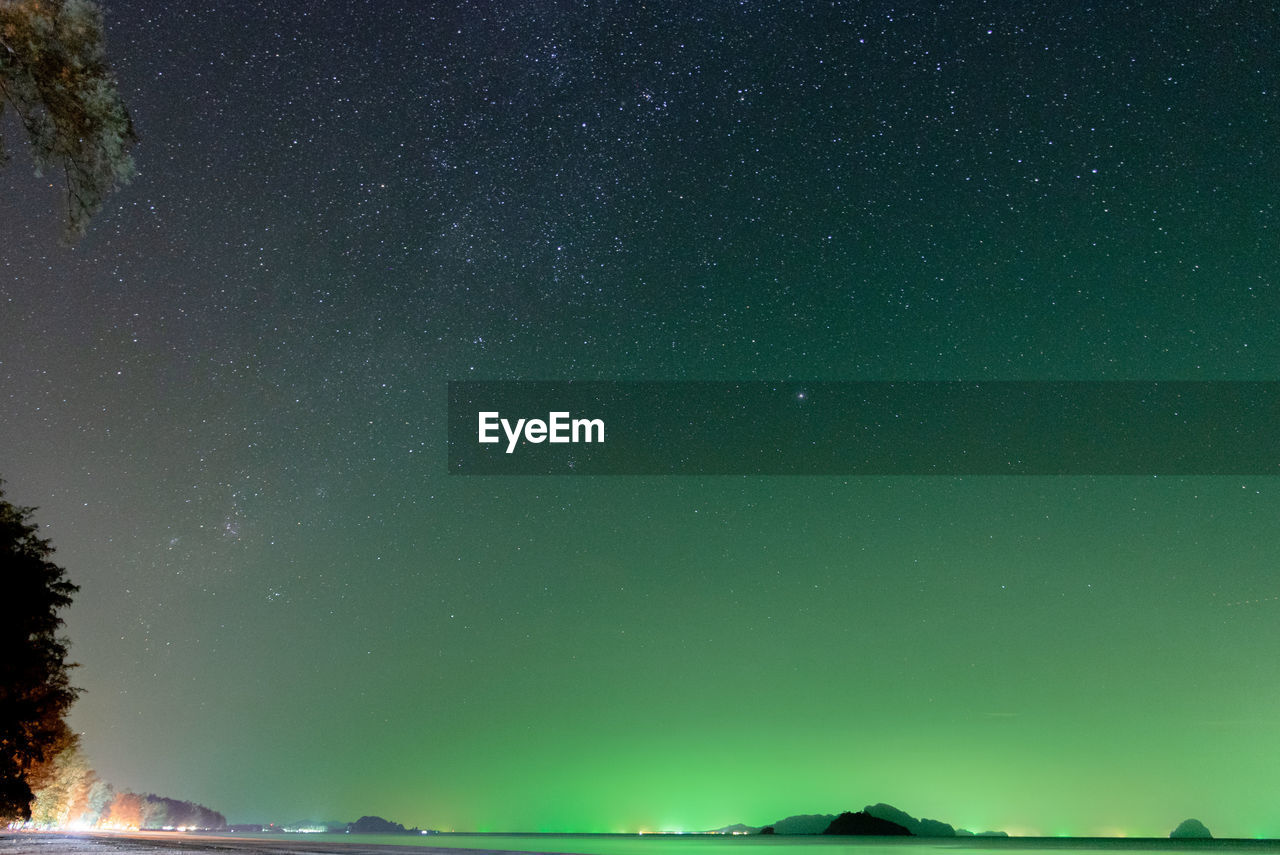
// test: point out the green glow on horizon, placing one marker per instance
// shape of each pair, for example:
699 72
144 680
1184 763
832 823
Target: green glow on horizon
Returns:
1012 664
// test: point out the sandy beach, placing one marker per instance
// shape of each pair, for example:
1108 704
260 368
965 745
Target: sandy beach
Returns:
168 843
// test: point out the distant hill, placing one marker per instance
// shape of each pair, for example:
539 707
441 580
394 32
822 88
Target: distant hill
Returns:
918 827
864 824
1192 829
375 825
817 823
809 823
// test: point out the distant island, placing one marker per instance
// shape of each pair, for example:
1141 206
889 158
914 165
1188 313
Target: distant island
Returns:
864 824
878 820
1191 829
882 820
375 825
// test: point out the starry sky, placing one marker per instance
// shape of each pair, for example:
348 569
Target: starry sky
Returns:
228 402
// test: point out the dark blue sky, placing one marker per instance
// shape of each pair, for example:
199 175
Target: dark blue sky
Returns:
228 401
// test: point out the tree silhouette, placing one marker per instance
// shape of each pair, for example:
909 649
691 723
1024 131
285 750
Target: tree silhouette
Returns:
35 691
53 73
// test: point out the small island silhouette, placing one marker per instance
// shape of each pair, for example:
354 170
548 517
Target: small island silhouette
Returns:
863 823
880 819
883 820
1191 829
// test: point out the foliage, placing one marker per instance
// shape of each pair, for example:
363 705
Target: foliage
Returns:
68 793
125 811
64 788
35 691
53 73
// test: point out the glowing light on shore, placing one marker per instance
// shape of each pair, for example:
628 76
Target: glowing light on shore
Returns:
1027 831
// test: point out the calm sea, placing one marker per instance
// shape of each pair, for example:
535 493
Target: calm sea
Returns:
671 844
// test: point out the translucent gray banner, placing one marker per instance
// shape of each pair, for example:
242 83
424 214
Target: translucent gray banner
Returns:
864 428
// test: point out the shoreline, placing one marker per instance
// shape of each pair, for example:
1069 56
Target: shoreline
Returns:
184 843
165 842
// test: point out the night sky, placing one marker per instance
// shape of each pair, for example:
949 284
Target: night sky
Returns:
228 402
